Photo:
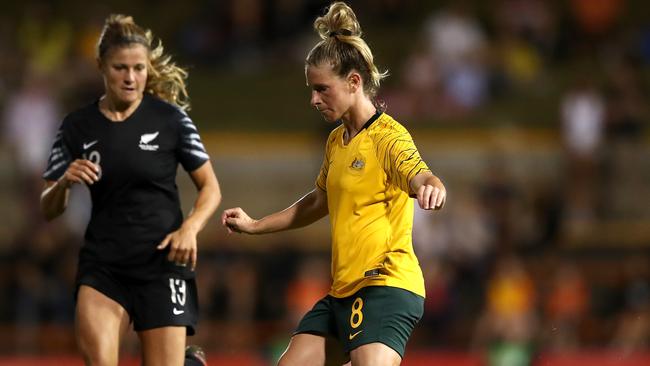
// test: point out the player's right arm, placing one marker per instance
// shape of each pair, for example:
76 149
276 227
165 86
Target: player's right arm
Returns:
310 208
54 198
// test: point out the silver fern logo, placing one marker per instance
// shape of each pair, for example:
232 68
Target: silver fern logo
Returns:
145 141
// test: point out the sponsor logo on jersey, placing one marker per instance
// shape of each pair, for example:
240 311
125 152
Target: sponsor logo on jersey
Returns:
177 311
88 145
145 141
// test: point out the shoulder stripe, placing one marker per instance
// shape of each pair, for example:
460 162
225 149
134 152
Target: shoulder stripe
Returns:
190 126
56 156
187 122
54 168
195 143
197 153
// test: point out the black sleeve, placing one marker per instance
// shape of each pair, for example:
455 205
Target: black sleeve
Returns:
191 152
60 157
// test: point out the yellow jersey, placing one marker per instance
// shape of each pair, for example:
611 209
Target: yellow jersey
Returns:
371 212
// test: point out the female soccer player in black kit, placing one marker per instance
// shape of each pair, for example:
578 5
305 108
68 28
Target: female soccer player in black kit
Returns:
137 263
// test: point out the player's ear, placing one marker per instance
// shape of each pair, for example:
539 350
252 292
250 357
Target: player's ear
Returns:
354 81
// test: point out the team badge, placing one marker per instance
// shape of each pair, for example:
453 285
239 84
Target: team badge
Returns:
358 163
145 141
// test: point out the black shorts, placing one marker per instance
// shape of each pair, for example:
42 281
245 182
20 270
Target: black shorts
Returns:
380 314
167 301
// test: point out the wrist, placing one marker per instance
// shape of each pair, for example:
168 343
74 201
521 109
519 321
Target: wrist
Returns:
191 226
255 227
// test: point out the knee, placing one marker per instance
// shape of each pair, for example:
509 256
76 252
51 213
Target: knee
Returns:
96 353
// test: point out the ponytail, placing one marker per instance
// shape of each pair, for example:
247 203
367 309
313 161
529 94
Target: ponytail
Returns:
342 47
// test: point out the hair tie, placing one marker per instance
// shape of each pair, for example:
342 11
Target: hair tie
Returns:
342 32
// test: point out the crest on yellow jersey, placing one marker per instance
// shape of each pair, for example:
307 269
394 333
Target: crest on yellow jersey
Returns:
358 163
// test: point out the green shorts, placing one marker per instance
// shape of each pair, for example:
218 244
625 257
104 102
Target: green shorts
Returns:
373 314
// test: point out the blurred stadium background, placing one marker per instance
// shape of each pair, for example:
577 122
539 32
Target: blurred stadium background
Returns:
533 112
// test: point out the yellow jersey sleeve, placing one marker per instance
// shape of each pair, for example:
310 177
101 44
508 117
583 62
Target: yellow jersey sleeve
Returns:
397 153
321 180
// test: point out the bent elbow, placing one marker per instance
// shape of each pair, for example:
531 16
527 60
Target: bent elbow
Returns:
217 198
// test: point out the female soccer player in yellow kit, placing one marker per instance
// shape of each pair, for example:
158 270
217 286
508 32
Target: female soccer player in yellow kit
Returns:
370 170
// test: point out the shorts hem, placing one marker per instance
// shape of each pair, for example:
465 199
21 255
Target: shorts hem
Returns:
190 329
386 343
103 292
311 332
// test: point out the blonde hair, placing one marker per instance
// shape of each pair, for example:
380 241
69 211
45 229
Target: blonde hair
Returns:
341 46
165 79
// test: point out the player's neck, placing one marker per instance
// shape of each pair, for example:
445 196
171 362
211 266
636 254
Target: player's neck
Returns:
117 111
356 118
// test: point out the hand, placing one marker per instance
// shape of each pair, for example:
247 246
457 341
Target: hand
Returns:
81 171
182 247
236 220
432 195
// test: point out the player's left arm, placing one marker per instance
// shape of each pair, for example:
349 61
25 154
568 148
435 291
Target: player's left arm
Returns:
429 190
405 167
182 242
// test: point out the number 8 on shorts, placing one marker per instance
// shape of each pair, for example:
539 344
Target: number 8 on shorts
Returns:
356 317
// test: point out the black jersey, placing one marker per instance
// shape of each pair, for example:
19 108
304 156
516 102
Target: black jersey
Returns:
135 203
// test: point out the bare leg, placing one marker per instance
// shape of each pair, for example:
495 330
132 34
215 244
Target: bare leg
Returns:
99 325
312 350
375 354
163 346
